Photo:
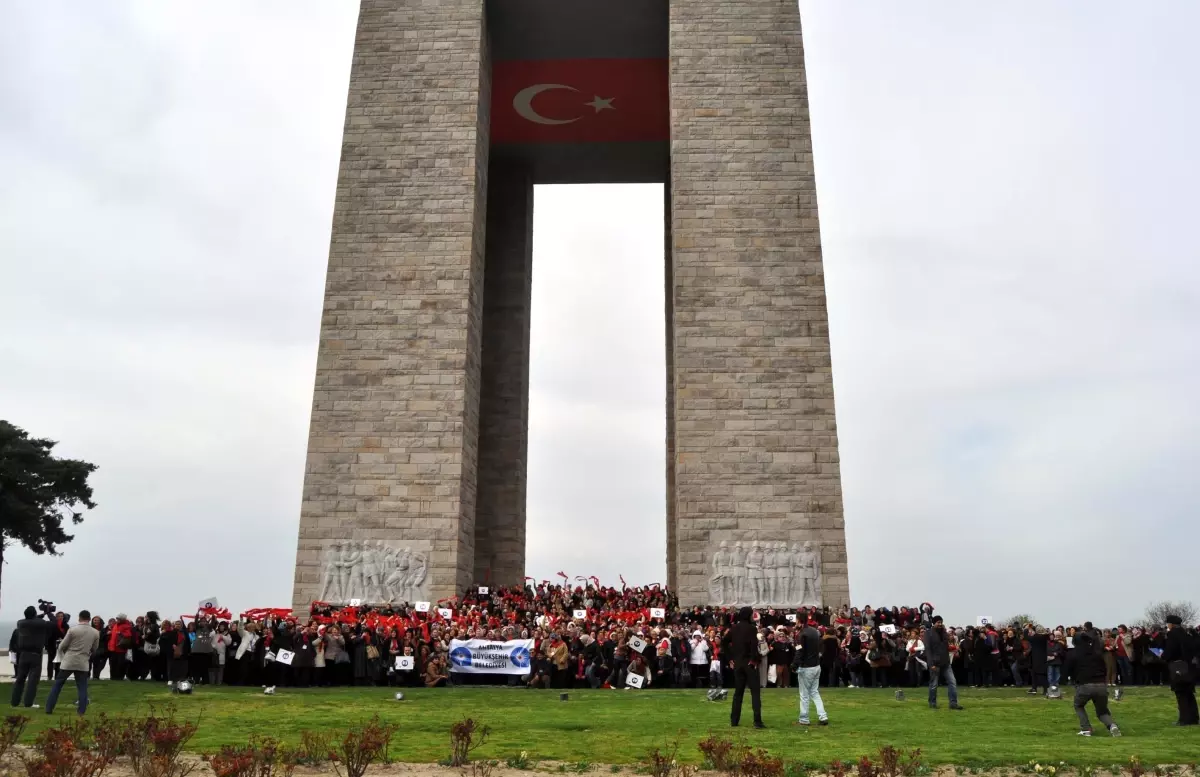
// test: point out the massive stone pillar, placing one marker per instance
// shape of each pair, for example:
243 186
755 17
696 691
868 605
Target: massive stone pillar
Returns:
504 396
395 418
755 443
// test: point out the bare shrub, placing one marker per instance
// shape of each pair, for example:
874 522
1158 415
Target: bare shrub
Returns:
11 731
361 747
466 736
64 751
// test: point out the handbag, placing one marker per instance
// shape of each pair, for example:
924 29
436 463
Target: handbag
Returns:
1179 672
372 653
178 651
151 649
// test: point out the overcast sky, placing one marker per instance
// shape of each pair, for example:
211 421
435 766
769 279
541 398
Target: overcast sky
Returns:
1008 203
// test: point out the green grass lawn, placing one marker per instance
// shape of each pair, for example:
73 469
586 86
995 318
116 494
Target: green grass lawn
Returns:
1000 727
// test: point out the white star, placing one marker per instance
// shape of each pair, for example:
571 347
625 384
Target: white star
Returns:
602 104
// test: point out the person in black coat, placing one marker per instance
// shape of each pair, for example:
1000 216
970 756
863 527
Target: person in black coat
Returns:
1181 648
1039 653
740 646
27 643
1086 667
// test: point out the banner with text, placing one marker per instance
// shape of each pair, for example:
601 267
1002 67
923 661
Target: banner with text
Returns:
481 656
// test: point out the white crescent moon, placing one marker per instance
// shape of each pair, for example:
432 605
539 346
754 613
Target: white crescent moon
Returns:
523 103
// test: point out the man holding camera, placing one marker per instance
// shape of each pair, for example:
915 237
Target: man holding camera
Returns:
28 642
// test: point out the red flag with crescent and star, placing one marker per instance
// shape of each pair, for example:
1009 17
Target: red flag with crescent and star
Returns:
580 101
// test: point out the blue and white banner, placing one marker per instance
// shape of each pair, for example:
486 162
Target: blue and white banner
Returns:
480 656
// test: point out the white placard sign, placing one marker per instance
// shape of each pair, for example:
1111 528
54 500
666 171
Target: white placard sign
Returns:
404 663
581 614
634 680
791 616
637 643
285 657
355 602
483 590
888 628
422 606
446 612
983 620
658 612
210 603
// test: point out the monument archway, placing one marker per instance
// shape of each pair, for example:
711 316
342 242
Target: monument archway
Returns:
414 486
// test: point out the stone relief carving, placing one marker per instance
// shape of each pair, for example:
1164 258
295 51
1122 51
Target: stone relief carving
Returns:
375 573
765 574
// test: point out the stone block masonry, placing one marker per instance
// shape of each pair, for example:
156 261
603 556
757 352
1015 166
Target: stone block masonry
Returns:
418 443
755 441
395 417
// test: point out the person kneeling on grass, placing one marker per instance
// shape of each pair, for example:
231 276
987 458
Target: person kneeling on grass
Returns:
1087 668
435 674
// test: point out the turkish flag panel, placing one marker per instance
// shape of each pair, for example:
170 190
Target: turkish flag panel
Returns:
580 101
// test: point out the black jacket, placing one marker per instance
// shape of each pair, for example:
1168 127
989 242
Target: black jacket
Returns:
741 644
1178 647
808 653
1039 651
32 635
1085 664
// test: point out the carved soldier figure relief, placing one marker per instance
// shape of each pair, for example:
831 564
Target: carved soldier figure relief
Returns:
372 573
721 588
769 574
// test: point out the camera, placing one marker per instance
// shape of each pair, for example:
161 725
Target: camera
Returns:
46 607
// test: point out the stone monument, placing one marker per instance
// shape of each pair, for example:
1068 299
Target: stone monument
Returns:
415 479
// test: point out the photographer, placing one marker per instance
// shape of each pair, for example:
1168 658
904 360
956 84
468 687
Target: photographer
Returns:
27 643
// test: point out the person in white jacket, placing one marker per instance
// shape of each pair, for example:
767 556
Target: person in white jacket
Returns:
916 664
699 655
221 640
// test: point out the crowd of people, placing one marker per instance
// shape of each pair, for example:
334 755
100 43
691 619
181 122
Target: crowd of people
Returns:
585 636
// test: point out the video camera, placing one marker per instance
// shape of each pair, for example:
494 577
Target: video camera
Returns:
46 607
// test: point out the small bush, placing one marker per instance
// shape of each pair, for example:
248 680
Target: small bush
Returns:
662 762
261 757
316 747
897 763
759 763
361 747
483 768
155 743
11 731
866 768
838 769
1135 767
719 753
522 761
466 736
65 751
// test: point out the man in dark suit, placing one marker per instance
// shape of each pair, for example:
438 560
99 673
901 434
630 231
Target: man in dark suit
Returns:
29 640
741 647
1180 647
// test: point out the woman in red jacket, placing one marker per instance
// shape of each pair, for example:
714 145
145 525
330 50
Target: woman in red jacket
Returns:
120 642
